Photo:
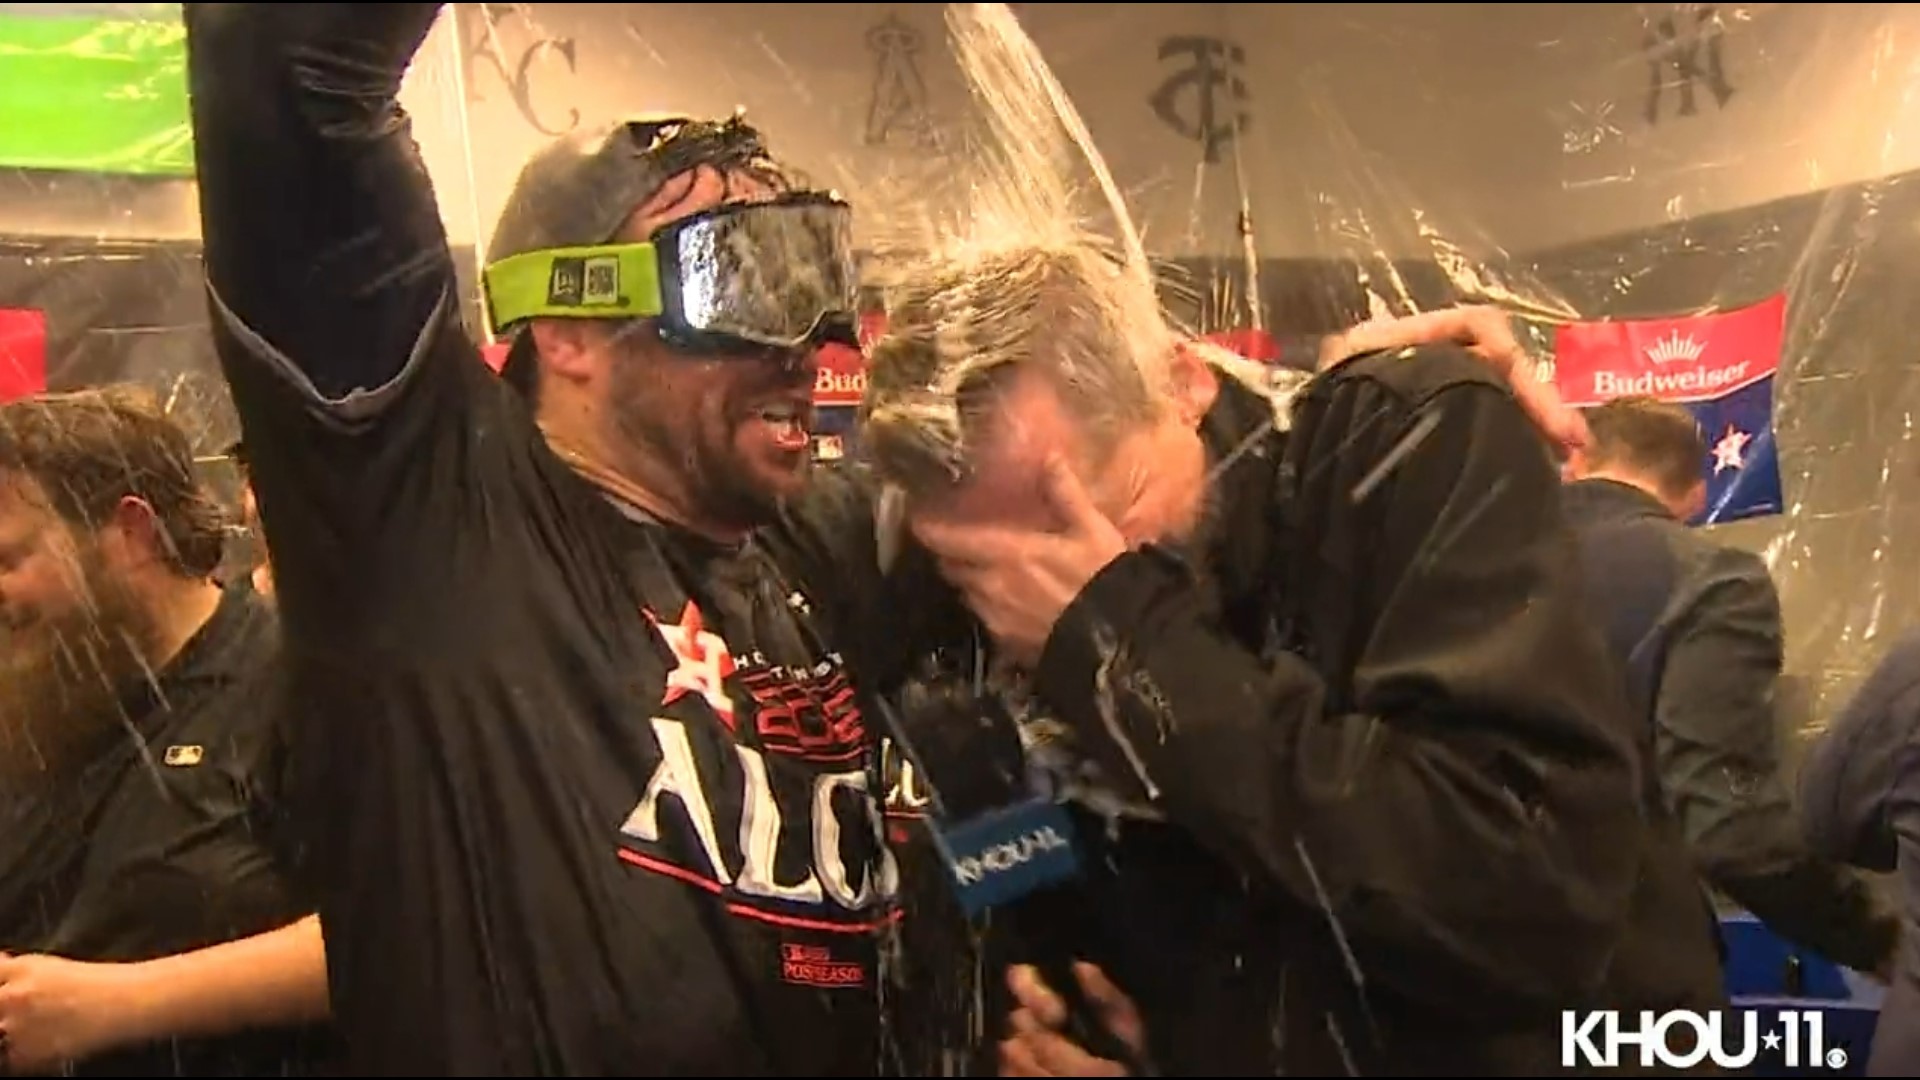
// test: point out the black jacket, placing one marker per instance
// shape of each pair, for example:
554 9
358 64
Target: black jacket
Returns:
1398 769
1696 626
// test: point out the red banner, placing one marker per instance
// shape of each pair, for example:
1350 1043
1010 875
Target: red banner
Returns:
23 353
842 379
1698 358
1252 344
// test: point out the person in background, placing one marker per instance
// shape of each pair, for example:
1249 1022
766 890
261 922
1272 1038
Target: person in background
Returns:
1696 627
1305 662
1860 804
146 925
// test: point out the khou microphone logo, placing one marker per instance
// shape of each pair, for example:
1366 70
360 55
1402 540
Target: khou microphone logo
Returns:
1682 1039
1006 854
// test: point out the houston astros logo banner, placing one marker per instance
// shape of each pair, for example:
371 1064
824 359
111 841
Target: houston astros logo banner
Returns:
1721 367
23 353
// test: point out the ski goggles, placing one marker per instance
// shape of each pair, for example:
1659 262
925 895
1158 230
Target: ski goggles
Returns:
777 274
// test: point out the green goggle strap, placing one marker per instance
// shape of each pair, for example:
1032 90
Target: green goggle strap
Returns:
605 281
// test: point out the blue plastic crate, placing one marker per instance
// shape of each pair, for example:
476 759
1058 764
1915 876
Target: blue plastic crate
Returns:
1761 964
1767 975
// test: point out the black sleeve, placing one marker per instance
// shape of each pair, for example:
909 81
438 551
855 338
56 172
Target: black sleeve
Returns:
375 431
320 229
1858 777
1449 780
889 613
1717 749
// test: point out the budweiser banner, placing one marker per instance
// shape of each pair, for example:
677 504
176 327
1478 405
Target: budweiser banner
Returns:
837 389
1252 344
1721 367
23 353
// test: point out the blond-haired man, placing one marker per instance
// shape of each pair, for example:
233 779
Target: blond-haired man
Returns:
1318 652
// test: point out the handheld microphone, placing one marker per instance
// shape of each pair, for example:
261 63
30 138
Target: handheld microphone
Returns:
1004 847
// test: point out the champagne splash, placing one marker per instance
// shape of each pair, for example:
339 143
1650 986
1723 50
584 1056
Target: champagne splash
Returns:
1043 255
1033 144
1037 181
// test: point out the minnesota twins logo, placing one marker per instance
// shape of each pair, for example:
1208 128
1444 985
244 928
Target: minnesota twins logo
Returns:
1205 100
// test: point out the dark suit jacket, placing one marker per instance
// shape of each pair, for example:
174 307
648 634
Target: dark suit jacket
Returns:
1697 627
1860 802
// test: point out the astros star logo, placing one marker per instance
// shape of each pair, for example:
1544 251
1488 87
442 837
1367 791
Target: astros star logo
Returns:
704 663
1729 452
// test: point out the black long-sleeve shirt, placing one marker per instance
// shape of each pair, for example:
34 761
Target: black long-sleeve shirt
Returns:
582 794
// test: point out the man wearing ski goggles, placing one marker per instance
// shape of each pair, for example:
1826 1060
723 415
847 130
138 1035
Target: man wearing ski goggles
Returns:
679 272
745 277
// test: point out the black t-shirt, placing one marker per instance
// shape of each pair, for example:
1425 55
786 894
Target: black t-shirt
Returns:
162 846
585 795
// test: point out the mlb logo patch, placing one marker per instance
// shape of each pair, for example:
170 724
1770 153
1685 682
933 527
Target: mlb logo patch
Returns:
184 756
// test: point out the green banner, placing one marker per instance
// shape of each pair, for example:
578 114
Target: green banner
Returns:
94 88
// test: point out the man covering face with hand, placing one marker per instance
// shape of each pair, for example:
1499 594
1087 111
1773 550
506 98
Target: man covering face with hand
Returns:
1319 654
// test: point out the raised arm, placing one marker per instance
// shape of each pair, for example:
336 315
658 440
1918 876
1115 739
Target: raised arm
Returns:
320 229
367 412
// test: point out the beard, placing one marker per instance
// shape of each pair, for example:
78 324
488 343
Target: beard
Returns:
697 439
63 683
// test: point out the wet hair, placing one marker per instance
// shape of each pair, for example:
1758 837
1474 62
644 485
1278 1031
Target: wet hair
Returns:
88 450
1654 439
960 323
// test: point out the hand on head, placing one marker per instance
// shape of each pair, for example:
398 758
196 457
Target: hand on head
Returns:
1485 332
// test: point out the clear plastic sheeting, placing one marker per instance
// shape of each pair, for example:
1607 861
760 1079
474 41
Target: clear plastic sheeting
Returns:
1306 164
